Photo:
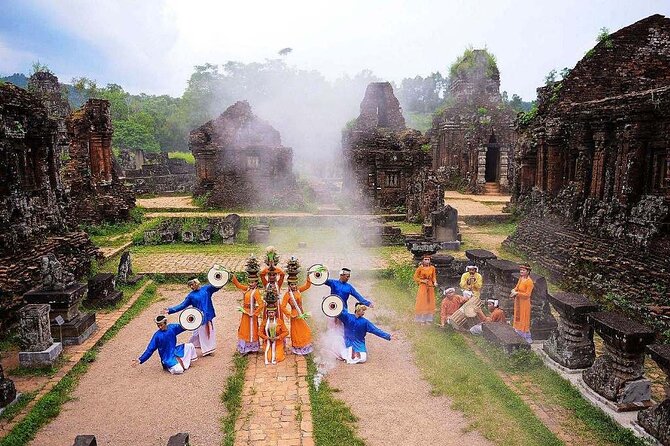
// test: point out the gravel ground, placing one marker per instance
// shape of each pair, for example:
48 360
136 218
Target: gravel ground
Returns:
145 405
394 405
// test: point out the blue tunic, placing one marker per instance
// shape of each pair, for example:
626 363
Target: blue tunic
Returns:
355 329
166 343
344 290
200 299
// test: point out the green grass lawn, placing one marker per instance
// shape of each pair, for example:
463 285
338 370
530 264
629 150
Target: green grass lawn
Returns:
186 156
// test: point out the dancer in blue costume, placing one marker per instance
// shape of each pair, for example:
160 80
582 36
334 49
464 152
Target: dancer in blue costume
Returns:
355 329
200 297
174 358
343 289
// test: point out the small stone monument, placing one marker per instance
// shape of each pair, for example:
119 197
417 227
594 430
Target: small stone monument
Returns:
64 297
102 291
180 439
7 390
501 280
571 344
656 419
443 271
445 227
125 271
617 374
85 440
229 228
37 344
259 234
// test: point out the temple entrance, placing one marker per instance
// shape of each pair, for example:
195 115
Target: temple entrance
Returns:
492 160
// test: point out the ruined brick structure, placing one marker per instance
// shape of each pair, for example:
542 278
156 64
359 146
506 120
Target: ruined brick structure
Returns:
33 210
473 136
50 92
382 155
96 192
239 161
155 173
593 178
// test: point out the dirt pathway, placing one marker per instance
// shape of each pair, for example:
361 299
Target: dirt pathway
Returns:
145 405
393 404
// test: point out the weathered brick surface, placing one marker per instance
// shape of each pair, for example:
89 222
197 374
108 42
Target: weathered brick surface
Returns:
593 180
91 176
239 161
34 211
383 156
155 173
473 137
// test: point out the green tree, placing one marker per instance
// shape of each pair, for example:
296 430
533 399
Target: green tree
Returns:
133 135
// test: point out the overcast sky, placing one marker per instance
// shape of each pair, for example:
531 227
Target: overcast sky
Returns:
152 46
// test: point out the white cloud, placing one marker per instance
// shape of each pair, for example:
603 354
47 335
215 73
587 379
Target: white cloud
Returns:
152 46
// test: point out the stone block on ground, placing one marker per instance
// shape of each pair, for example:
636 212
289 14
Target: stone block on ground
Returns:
180 439
656 420
44 358
504 336
7 389
259 234
102 291
85 440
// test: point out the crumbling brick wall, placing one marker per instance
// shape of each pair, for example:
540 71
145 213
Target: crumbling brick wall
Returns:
34 206
382 156
96 191
155 173
593 181
240 162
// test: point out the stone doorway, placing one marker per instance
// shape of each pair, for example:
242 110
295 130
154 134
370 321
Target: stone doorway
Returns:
492 160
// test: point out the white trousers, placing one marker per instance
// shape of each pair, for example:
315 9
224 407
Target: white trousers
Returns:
205 342
189 355
347 353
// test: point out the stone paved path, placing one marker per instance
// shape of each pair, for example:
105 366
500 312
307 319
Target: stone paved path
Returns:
275 404
182 263
73 353
452 194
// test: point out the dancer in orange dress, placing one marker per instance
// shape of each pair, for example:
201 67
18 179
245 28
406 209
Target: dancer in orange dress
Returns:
272 274
426 278
252 305
292 306
273 331
521 294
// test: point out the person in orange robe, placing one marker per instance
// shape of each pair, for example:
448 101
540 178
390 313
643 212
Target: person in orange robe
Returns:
450 303
252 305
426 278
273 331
521 294
301 335
496 315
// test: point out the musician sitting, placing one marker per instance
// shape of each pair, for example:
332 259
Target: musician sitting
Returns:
174 358
450 303
471 280
496 315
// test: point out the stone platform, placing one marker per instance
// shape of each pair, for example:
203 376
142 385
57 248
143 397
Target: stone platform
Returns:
504 336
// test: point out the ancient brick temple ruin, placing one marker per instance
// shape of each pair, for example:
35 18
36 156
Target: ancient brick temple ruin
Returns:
50 92
240 161
155 173
383 156
593 178
33 202
96 192
473 136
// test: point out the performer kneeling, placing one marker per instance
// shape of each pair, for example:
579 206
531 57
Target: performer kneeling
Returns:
273 330
450 303
355 329
497 315
174 358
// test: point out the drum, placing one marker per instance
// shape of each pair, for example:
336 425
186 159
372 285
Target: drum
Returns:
218 276
332 306
458 320
191 319
318 274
